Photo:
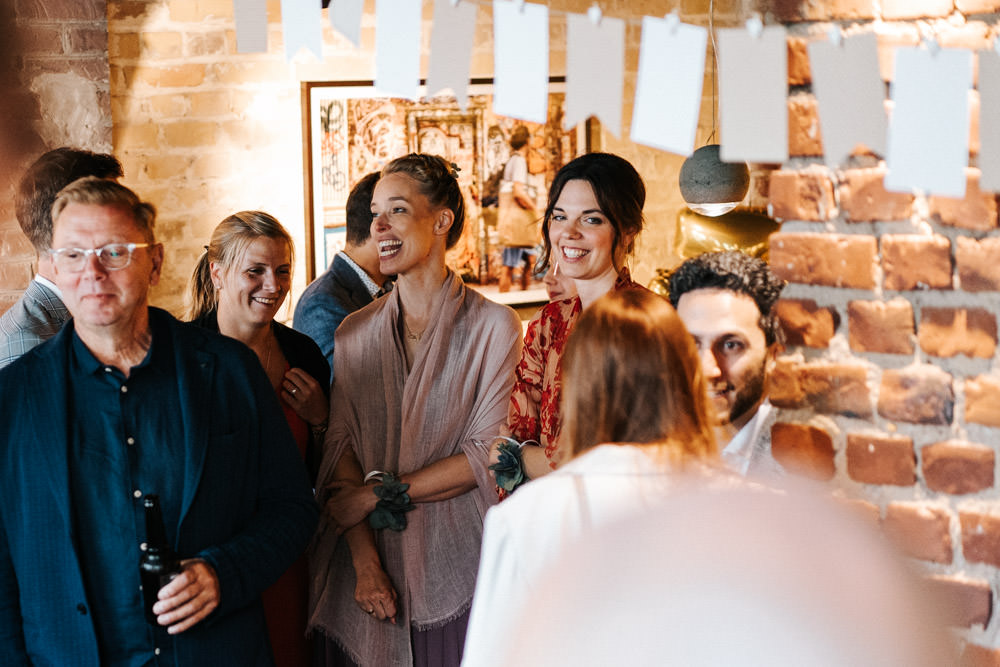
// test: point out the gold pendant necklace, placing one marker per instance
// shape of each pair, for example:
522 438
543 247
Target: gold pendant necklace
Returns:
409 332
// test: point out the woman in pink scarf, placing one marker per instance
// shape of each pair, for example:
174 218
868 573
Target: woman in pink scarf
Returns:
421 375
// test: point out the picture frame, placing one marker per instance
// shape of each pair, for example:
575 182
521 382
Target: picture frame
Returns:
350 130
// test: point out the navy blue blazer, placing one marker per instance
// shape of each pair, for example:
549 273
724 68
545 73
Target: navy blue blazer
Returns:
247 507
327 301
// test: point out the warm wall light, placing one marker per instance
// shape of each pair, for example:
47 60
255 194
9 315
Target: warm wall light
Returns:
710 186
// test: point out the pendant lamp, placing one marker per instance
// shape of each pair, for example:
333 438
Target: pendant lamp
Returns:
710 186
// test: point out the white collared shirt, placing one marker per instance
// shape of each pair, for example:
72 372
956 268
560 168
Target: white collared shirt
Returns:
370 284
750 449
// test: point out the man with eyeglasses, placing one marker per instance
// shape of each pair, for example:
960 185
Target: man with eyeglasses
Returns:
125 402
40 313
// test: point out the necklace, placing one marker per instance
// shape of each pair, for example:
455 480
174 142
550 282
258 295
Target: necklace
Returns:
409 332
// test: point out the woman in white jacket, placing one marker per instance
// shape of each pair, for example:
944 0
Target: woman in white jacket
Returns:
636 423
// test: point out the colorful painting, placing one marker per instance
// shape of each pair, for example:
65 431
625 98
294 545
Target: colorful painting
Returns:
350 133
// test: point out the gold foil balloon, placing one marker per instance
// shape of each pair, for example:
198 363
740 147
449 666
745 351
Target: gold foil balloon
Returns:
696 234
738 230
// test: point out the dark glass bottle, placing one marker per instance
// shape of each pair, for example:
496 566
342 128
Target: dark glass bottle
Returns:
158 563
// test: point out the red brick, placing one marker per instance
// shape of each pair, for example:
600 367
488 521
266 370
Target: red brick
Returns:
921 532
804 138
981 538
881 326
981 404
963 602
128 9
41 40
919 395
86 40
806 323
783 385
15 275
61 9
802 195
957 467
978 263
949 332
881 459
979 656
803 450
836 388
976 211
913 261
799 72
793 11
894 10
824 259
865 199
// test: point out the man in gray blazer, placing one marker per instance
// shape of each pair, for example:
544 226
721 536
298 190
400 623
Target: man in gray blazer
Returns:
353 279
39 314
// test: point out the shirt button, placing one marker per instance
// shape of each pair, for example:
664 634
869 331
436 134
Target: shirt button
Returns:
130 441
124 389
107 369
137 493
156 651
142 546
82 608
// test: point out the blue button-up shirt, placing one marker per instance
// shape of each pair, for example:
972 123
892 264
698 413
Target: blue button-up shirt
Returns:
126 441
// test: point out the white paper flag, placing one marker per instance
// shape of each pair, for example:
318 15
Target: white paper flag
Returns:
345 18
989 120
850 94
452 39
521 60
251 25
397 48
595 62
929 125
669 85
301 21
753 95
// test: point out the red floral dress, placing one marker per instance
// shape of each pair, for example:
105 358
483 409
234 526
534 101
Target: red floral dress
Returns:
533 413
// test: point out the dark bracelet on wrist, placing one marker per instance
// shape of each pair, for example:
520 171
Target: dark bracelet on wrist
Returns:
393 503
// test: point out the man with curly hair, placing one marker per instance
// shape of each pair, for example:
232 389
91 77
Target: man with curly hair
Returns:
726 300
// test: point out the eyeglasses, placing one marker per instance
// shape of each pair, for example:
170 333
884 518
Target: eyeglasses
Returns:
113 257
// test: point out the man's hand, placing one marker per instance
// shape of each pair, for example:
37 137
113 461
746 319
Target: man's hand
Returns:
191 596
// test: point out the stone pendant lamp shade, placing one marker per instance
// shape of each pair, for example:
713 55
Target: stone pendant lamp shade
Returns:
710 186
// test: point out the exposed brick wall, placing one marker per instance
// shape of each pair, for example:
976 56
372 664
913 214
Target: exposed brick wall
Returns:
55 93
895 296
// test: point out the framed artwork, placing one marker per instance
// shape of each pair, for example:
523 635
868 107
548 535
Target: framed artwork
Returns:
349 131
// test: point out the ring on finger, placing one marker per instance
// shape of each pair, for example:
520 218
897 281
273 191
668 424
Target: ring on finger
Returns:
293 390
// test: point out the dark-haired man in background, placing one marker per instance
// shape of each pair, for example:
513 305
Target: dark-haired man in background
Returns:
726 301
40 313
353 279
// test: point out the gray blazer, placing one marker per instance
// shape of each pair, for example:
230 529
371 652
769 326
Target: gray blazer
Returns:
36 317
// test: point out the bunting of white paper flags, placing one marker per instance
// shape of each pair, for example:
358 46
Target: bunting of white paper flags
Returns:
669 85
753 95
929 125
850 94
520 60
595 62
302 23
989 120
397 48
452 38
251 25
345 18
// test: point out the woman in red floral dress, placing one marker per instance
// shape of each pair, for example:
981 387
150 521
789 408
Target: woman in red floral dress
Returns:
593 216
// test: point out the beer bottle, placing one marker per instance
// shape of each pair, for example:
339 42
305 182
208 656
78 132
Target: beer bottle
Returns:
158 563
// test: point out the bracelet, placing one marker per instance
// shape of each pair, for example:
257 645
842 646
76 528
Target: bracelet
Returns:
393 502
509 469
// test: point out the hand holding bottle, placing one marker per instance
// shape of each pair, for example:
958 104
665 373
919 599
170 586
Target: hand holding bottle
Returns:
189 597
